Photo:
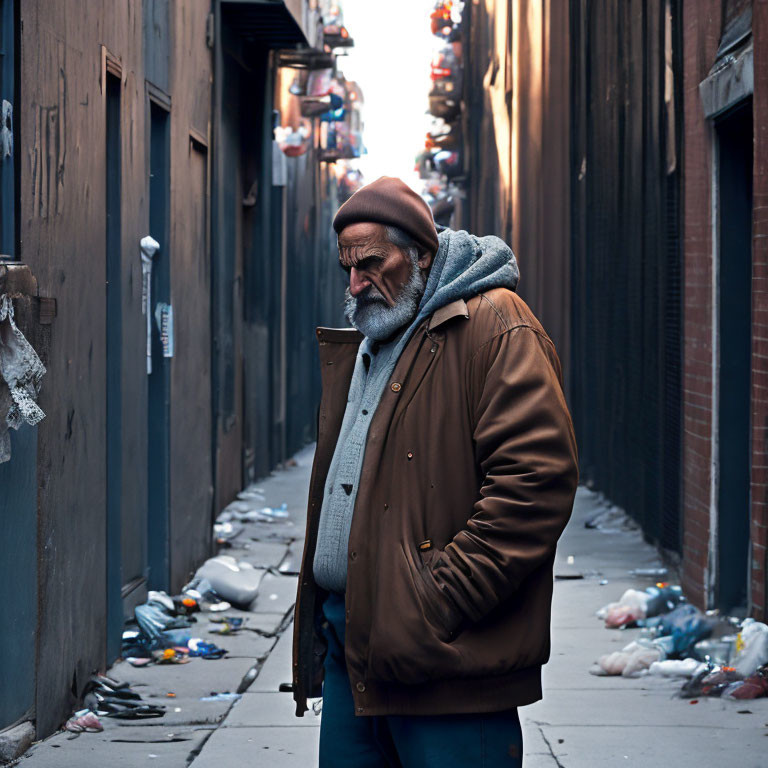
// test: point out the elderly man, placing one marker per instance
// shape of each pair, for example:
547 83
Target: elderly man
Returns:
444 475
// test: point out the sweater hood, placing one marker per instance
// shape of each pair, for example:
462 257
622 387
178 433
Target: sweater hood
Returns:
466 265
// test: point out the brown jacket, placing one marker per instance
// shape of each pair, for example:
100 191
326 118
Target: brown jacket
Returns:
467 482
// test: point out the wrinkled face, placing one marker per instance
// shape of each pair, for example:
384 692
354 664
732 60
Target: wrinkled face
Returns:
385 282
377 269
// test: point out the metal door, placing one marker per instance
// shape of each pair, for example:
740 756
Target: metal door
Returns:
734 140
158 432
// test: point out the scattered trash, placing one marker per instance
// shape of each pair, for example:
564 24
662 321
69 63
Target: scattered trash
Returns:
677 631
635 605
105 697
677 668
753 687
659 573
170 656
751 647
198 647
629 608
156 621
243 511
248 678
222 697
84 720
226 531
716 651
205 595
227 625
632 661
236 582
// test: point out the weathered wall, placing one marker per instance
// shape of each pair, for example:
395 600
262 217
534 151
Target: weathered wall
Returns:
191 464
517 120
62 122
62 179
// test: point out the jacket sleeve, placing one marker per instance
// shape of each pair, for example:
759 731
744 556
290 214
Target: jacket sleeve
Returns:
526 451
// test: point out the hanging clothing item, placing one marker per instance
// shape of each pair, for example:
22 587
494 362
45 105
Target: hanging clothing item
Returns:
21 373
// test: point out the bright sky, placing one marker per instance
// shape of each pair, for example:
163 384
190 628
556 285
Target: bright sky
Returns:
390 61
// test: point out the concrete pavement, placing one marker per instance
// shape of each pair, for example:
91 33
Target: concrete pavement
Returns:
583 721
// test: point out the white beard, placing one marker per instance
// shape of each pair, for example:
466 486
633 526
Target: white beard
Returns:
374 318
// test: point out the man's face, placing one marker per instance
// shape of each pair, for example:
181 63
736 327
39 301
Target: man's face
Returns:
385 282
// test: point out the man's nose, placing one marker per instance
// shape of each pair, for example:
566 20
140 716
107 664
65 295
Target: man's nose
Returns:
357 282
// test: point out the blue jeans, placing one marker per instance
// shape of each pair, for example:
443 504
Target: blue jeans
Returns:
484 740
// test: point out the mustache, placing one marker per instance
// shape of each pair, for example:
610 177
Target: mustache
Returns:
370 295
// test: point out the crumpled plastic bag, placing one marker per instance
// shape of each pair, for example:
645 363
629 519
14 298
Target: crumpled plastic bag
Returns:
630 607
632 661
677 668
753 687
753 644
21 373
236 582
678 630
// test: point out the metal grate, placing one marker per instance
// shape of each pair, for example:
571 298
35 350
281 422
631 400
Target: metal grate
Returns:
626 300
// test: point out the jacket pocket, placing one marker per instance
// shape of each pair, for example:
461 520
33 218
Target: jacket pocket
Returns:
435 613
407 642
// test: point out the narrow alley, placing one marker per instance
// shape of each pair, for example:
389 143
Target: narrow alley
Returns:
445 321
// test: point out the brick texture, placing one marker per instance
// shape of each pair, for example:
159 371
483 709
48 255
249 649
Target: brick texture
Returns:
701 34
759 518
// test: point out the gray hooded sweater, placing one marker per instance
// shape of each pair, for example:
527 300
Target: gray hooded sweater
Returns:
464 266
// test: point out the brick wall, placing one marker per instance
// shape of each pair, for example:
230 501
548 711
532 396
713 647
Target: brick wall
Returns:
759 522
702 27
701 32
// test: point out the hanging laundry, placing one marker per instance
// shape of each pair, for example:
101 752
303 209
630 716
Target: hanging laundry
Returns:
21 373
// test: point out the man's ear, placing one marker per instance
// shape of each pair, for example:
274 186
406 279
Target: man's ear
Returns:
425 260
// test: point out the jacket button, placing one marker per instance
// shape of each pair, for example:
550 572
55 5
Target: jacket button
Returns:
409 455
396 386
360 687
359 709
353 555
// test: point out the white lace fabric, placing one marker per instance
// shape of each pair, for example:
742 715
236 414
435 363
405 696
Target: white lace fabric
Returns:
21 373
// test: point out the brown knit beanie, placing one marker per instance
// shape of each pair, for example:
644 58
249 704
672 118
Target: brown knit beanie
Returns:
392 202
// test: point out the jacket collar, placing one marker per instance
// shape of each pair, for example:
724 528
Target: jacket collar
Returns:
456 308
